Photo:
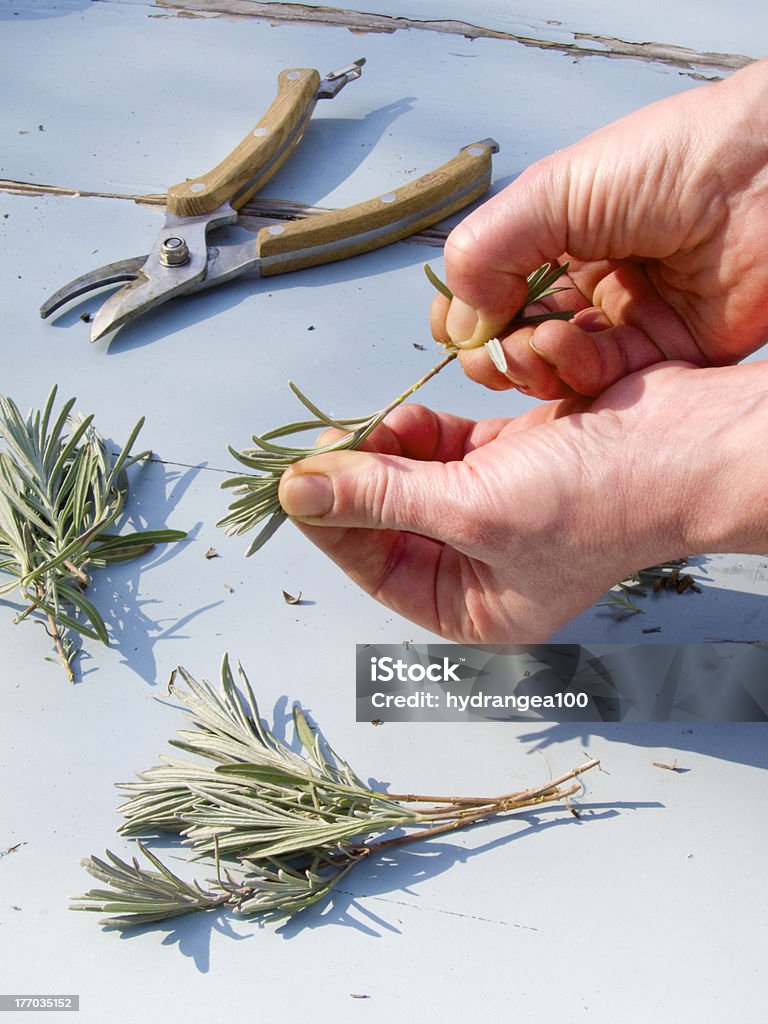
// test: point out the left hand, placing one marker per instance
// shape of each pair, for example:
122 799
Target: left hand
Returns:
503 530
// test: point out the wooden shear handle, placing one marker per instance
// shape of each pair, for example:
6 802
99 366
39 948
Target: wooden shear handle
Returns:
326 237
261 153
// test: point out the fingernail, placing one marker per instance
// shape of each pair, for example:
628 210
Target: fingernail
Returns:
461 321
306 495
542 355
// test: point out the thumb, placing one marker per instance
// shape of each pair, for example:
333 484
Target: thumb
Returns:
374 491
490 253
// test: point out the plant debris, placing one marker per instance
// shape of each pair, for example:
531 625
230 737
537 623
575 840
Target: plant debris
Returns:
665 576
12 849
670 767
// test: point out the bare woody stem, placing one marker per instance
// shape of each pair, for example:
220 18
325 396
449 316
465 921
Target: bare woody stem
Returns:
464 816
57 639
467 818
513 802
572 774
415 387
54 633
470 802
77 573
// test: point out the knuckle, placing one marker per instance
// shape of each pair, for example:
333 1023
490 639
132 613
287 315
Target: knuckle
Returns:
462 243
378 495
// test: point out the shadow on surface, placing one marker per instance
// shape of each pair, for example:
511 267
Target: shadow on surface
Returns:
717 613
740 743
116 589
389 878
386 880
330 152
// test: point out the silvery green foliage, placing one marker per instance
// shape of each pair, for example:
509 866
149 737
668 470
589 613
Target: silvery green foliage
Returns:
281 827
257 798
61 489
292 822
138 896
257 496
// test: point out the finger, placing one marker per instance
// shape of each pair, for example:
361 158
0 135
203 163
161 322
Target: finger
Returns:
438 499
546 413
381 492
630 294
526 370
592 320
490 253
566 298
399 570
382 439
384 519
629 328
437 314
590 361
417 432
586 275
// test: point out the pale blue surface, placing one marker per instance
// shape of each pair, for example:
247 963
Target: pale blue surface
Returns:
642 912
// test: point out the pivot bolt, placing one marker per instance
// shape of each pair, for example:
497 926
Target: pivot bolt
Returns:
174 252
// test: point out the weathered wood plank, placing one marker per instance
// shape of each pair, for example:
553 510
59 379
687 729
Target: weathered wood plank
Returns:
653 32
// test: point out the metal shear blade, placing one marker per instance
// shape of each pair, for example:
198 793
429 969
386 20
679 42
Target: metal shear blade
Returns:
175 266
185 259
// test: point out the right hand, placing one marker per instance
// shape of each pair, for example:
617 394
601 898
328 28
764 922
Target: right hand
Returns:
664 218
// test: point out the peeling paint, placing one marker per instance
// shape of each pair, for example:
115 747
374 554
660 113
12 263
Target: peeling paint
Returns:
584 44
256 214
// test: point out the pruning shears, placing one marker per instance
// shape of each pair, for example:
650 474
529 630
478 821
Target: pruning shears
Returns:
187 256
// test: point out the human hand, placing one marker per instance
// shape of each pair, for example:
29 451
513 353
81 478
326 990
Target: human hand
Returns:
663 216
504 530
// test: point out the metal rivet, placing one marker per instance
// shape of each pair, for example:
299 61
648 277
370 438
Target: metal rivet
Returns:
276 229
388 197
476 150
293 74
174 252
258 132
197 186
